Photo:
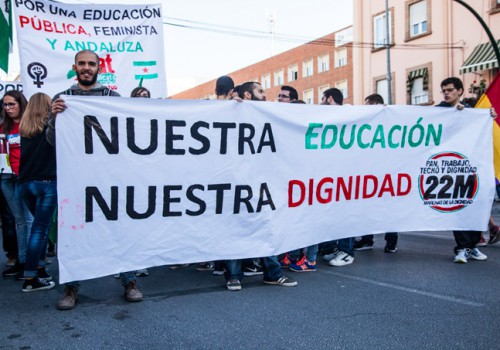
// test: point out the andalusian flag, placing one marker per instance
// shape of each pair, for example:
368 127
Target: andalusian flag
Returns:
491 97
5 34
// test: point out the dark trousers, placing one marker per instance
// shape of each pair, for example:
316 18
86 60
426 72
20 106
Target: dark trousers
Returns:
466 239
8 229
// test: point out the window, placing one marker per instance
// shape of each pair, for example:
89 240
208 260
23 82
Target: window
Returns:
418 94
343 37
342 86
279 77
340 58
381 88
323 63
308 96
418 18
293 73
379 31
266 81
307 68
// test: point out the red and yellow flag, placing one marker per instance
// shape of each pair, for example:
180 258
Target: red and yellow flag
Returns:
491 98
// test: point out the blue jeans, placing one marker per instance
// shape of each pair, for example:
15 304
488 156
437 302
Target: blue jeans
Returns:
40 197
311 253
22 215
346 245
270 264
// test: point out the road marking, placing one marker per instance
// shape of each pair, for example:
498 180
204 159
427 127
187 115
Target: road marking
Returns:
409 290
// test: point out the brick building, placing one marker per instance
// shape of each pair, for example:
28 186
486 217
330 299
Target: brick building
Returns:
310 68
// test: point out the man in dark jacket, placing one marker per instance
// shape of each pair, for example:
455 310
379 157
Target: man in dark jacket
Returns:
87 68
452 90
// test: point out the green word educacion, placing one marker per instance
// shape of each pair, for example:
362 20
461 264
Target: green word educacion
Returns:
321 136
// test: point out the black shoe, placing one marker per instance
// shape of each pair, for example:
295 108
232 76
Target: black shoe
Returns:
34 284
14 271
363 244
252 270
43 274
391 247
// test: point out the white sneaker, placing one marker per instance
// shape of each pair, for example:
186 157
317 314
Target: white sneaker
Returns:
477 255
461 257
342 259
331 256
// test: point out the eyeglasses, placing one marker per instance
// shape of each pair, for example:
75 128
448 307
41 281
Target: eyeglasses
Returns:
9 105
447 90
143 95
283 96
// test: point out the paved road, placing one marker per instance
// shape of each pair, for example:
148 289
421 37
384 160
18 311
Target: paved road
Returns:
414 299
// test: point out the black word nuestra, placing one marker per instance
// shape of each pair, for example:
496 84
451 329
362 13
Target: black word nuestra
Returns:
178 200
250 138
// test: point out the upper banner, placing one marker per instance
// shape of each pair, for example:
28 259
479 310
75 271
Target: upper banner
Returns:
127 38
146 182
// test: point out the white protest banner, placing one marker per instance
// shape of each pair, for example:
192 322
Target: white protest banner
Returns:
151 182
10 85
127 38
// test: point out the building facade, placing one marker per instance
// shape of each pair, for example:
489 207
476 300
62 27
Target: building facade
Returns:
310 68
430 40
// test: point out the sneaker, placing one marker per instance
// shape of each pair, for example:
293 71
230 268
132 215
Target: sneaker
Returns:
461 257
43 274
141 273
205 266
68 301
177 266
331 256
494 234
390 247
218 269
51 253
233 284
482 242
477 255
342 259
303 265
14 271
285 262
35 284
11 262
363 244
133 292
284 281
252 270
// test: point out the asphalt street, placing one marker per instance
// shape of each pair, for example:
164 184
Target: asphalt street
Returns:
416 298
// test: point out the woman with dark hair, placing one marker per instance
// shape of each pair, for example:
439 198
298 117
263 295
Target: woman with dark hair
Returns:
140 92
13 108
38 186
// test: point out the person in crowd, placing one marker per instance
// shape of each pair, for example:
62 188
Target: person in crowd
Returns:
253 91
452 89
391 238
37 187
224 88
14 105
288 94
344 252
87 69
235 94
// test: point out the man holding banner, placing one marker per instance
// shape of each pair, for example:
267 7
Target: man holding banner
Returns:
87 69
452 89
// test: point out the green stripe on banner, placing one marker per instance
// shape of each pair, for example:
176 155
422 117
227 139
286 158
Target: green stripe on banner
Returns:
144 63
146 76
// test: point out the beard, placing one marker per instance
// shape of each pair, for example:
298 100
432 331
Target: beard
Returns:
86 82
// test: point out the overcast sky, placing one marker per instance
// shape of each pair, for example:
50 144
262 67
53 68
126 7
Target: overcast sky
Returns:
208 38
